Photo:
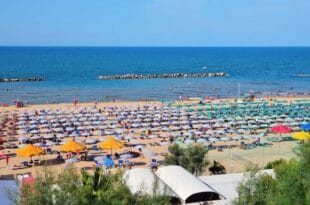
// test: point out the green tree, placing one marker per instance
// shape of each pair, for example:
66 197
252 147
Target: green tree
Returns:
193 158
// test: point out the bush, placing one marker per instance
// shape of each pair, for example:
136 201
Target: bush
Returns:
71 188
192 158
275 163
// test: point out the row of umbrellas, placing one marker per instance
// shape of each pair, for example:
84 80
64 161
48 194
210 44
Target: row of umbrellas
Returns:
71 146
112 143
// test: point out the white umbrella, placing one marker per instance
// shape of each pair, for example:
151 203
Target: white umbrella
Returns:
202 140
60 135
70 129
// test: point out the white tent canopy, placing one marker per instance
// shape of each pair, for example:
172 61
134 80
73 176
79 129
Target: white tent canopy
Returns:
143 180
186 186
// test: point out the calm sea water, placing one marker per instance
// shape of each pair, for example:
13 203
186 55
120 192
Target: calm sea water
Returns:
72 72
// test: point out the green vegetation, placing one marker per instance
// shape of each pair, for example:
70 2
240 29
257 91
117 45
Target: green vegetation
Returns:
71 188
193 158
291 185
275 163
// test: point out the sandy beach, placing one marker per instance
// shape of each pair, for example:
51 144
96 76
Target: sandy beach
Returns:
234 158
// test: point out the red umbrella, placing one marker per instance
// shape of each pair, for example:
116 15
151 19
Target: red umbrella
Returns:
281 129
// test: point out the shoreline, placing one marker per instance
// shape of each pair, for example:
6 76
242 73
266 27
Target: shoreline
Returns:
145 101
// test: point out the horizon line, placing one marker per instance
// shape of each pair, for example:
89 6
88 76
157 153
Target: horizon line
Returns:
160 46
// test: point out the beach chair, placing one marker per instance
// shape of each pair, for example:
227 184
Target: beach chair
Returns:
25 164
128 163
121 163
49 151
154 164
36 162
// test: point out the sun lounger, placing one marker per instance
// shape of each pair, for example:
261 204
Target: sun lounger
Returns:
16 167
154 164
120 163
128 163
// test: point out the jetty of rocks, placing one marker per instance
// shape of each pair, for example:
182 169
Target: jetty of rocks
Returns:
7 80
167 75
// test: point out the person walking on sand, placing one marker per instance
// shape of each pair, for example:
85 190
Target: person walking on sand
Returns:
7 160
75 102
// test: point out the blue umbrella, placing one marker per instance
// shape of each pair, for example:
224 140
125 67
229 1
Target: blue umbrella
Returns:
108 162
305 127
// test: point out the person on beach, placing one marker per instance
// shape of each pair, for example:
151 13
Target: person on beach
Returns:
75 102
7 160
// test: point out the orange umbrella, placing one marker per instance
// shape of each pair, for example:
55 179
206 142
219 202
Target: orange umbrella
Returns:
111 143
29 151
72 146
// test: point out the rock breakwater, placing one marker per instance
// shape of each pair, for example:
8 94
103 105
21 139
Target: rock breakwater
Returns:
167 75
7 80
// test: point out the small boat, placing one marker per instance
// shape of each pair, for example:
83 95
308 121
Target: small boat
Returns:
205 67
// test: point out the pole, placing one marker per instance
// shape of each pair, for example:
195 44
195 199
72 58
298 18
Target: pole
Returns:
239 91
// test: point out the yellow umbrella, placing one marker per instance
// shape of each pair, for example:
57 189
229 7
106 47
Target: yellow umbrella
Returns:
29 151
301 135
111 143
72 146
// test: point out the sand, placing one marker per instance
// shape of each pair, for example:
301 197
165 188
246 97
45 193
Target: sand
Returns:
260 156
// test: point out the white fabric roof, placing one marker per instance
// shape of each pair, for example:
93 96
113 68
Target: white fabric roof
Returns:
142 180
185 185
226 184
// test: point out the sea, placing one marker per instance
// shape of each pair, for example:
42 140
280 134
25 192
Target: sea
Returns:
72 72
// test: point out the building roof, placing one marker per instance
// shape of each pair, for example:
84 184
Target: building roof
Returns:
186 186
143 180
227 184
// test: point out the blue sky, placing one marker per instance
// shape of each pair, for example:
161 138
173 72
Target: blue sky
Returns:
155 22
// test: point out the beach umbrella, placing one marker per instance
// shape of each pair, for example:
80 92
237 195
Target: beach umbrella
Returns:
108 162
127 137
36 137
111 143
301 135
305 127
281 129
60 135
91 141
21 139
189 141
201 140
100 159
224 139
126 156
34 132
72 146
140 146
29 151
236 138
70 129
